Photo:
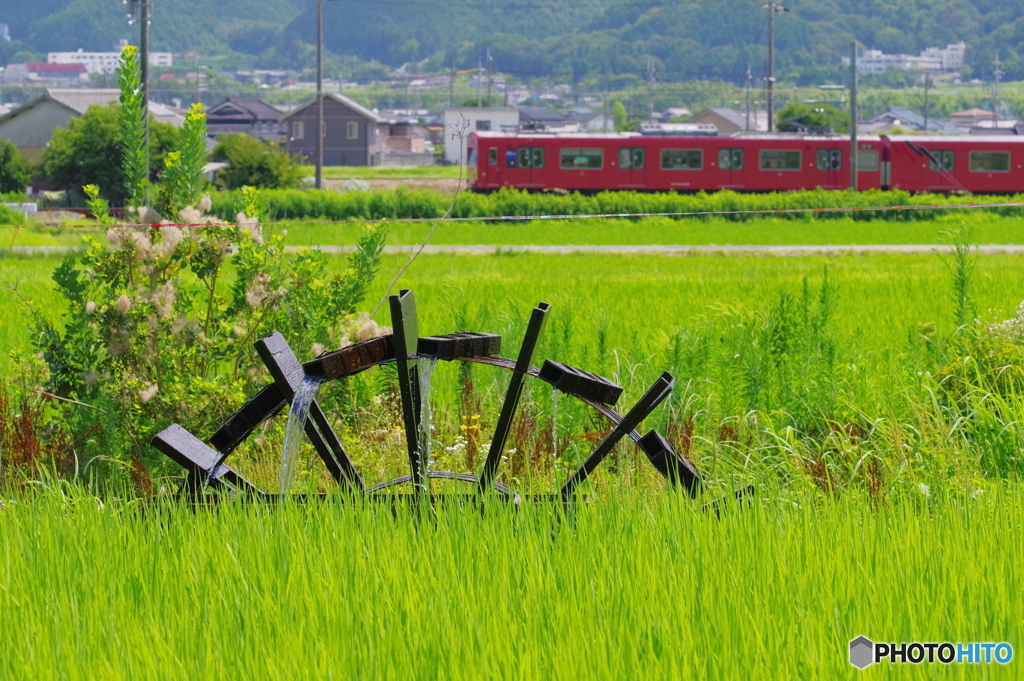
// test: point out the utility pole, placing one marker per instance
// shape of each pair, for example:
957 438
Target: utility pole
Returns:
451 86
773 9
479 84
319 94
927 84
995 100
650 87
750 78
490 76
853 117
141 10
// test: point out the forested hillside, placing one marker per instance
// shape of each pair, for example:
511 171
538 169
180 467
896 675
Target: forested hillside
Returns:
601 40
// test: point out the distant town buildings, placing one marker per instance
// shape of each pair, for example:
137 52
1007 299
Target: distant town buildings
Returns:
933 60
104 62
41 72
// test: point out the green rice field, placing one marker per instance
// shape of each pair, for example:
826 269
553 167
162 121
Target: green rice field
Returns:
989 229
884 507
632 587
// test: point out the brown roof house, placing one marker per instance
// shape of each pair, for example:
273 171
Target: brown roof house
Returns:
245 115
350 132
970 117
730 121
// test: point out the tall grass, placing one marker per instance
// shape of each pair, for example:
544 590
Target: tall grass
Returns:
634 587
834 386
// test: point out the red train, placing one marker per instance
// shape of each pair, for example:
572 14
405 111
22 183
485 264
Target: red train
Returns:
758 163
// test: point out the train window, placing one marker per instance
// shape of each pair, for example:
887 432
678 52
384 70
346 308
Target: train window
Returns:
830 159
942 160
531 157
867 161
537 157
510 158
990 161
582 158
682 159
730 159
780 159
492 156
631 158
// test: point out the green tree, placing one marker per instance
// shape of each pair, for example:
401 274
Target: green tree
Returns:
87 151
794 116
622 122
15 171
255 163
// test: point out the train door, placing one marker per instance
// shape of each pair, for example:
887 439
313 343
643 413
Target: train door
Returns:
530 163
829 163
488 166
869 166
730 163
632 167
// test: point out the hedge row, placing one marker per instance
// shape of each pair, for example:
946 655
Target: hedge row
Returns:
407 203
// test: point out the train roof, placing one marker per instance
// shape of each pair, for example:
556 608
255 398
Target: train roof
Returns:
559 135
793 136
940 139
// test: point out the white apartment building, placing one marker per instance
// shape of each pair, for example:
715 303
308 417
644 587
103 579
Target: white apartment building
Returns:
103 62
932 60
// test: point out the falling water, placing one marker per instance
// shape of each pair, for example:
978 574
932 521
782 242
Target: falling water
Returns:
425 374
293 432
554 438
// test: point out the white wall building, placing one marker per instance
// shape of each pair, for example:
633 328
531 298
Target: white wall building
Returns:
932 60
472 119
104 62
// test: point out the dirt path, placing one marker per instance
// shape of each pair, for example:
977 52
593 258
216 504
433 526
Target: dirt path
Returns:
445 186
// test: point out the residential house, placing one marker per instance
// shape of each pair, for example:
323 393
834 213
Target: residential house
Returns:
458 123
909 121
970 117
246 115
539 118
730 121
349 132
30 127
405 144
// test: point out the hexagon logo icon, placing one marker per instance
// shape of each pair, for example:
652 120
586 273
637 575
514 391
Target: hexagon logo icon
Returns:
861 652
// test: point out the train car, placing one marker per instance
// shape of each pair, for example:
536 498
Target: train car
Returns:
751 163
984 164
595 162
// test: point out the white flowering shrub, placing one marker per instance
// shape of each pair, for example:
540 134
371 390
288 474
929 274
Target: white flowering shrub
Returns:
163 312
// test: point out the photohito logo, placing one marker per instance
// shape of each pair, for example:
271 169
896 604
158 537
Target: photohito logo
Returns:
863 653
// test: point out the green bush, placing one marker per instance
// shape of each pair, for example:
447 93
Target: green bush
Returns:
255 163
408 203
88 151
161 317
15 171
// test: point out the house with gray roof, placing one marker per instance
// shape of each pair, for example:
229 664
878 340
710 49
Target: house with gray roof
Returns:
30 127
908 120
349 132
246 115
